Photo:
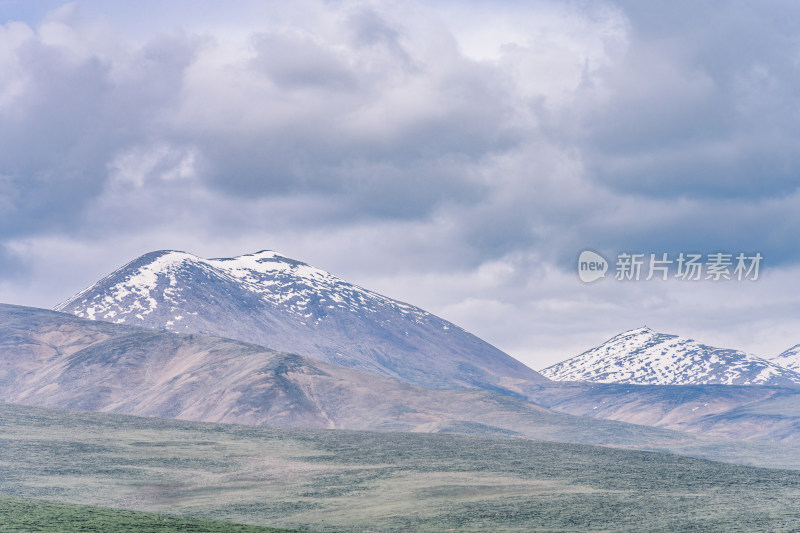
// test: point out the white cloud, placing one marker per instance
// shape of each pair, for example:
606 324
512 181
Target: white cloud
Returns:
140 166
457 156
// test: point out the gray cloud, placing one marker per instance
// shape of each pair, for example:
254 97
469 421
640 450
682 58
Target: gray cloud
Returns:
458 157
67 113
700 104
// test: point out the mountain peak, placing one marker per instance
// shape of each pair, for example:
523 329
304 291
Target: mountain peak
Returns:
272 300
789 359
792 351
636 332
173 255
269 261
643 356
261 255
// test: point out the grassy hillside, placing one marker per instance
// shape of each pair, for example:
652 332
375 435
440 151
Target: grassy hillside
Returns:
729 411
26 515
356 481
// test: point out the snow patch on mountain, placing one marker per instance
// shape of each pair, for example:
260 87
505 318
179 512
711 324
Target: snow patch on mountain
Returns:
277 279
269 299
789 359
643 356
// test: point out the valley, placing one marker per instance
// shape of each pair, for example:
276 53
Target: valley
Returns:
263 392
324 480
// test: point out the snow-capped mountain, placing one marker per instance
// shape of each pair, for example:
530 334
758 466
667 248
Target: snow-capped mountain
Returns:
268 299
789 359
643 356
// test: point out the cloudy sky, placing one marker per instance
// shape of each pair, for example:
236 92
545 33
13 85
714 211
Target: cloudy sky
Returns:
455 155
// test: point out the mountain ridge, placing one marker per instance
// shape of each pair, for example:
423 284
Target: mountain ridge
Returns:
53 359
789 358
643 356
271 300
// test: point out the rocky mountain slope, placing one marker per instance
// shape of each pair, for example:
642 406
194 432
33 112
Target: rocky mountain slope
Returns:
730 411
53 359
58 360
789 359
271 300
643 356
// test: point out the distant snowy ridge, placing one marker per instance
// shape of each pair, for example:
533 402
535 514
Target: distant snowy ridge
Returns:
272 300
643 356
789 359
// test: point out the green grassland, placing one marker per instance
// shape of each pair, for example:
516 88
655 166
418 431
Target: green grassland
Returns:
28 515
368 481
